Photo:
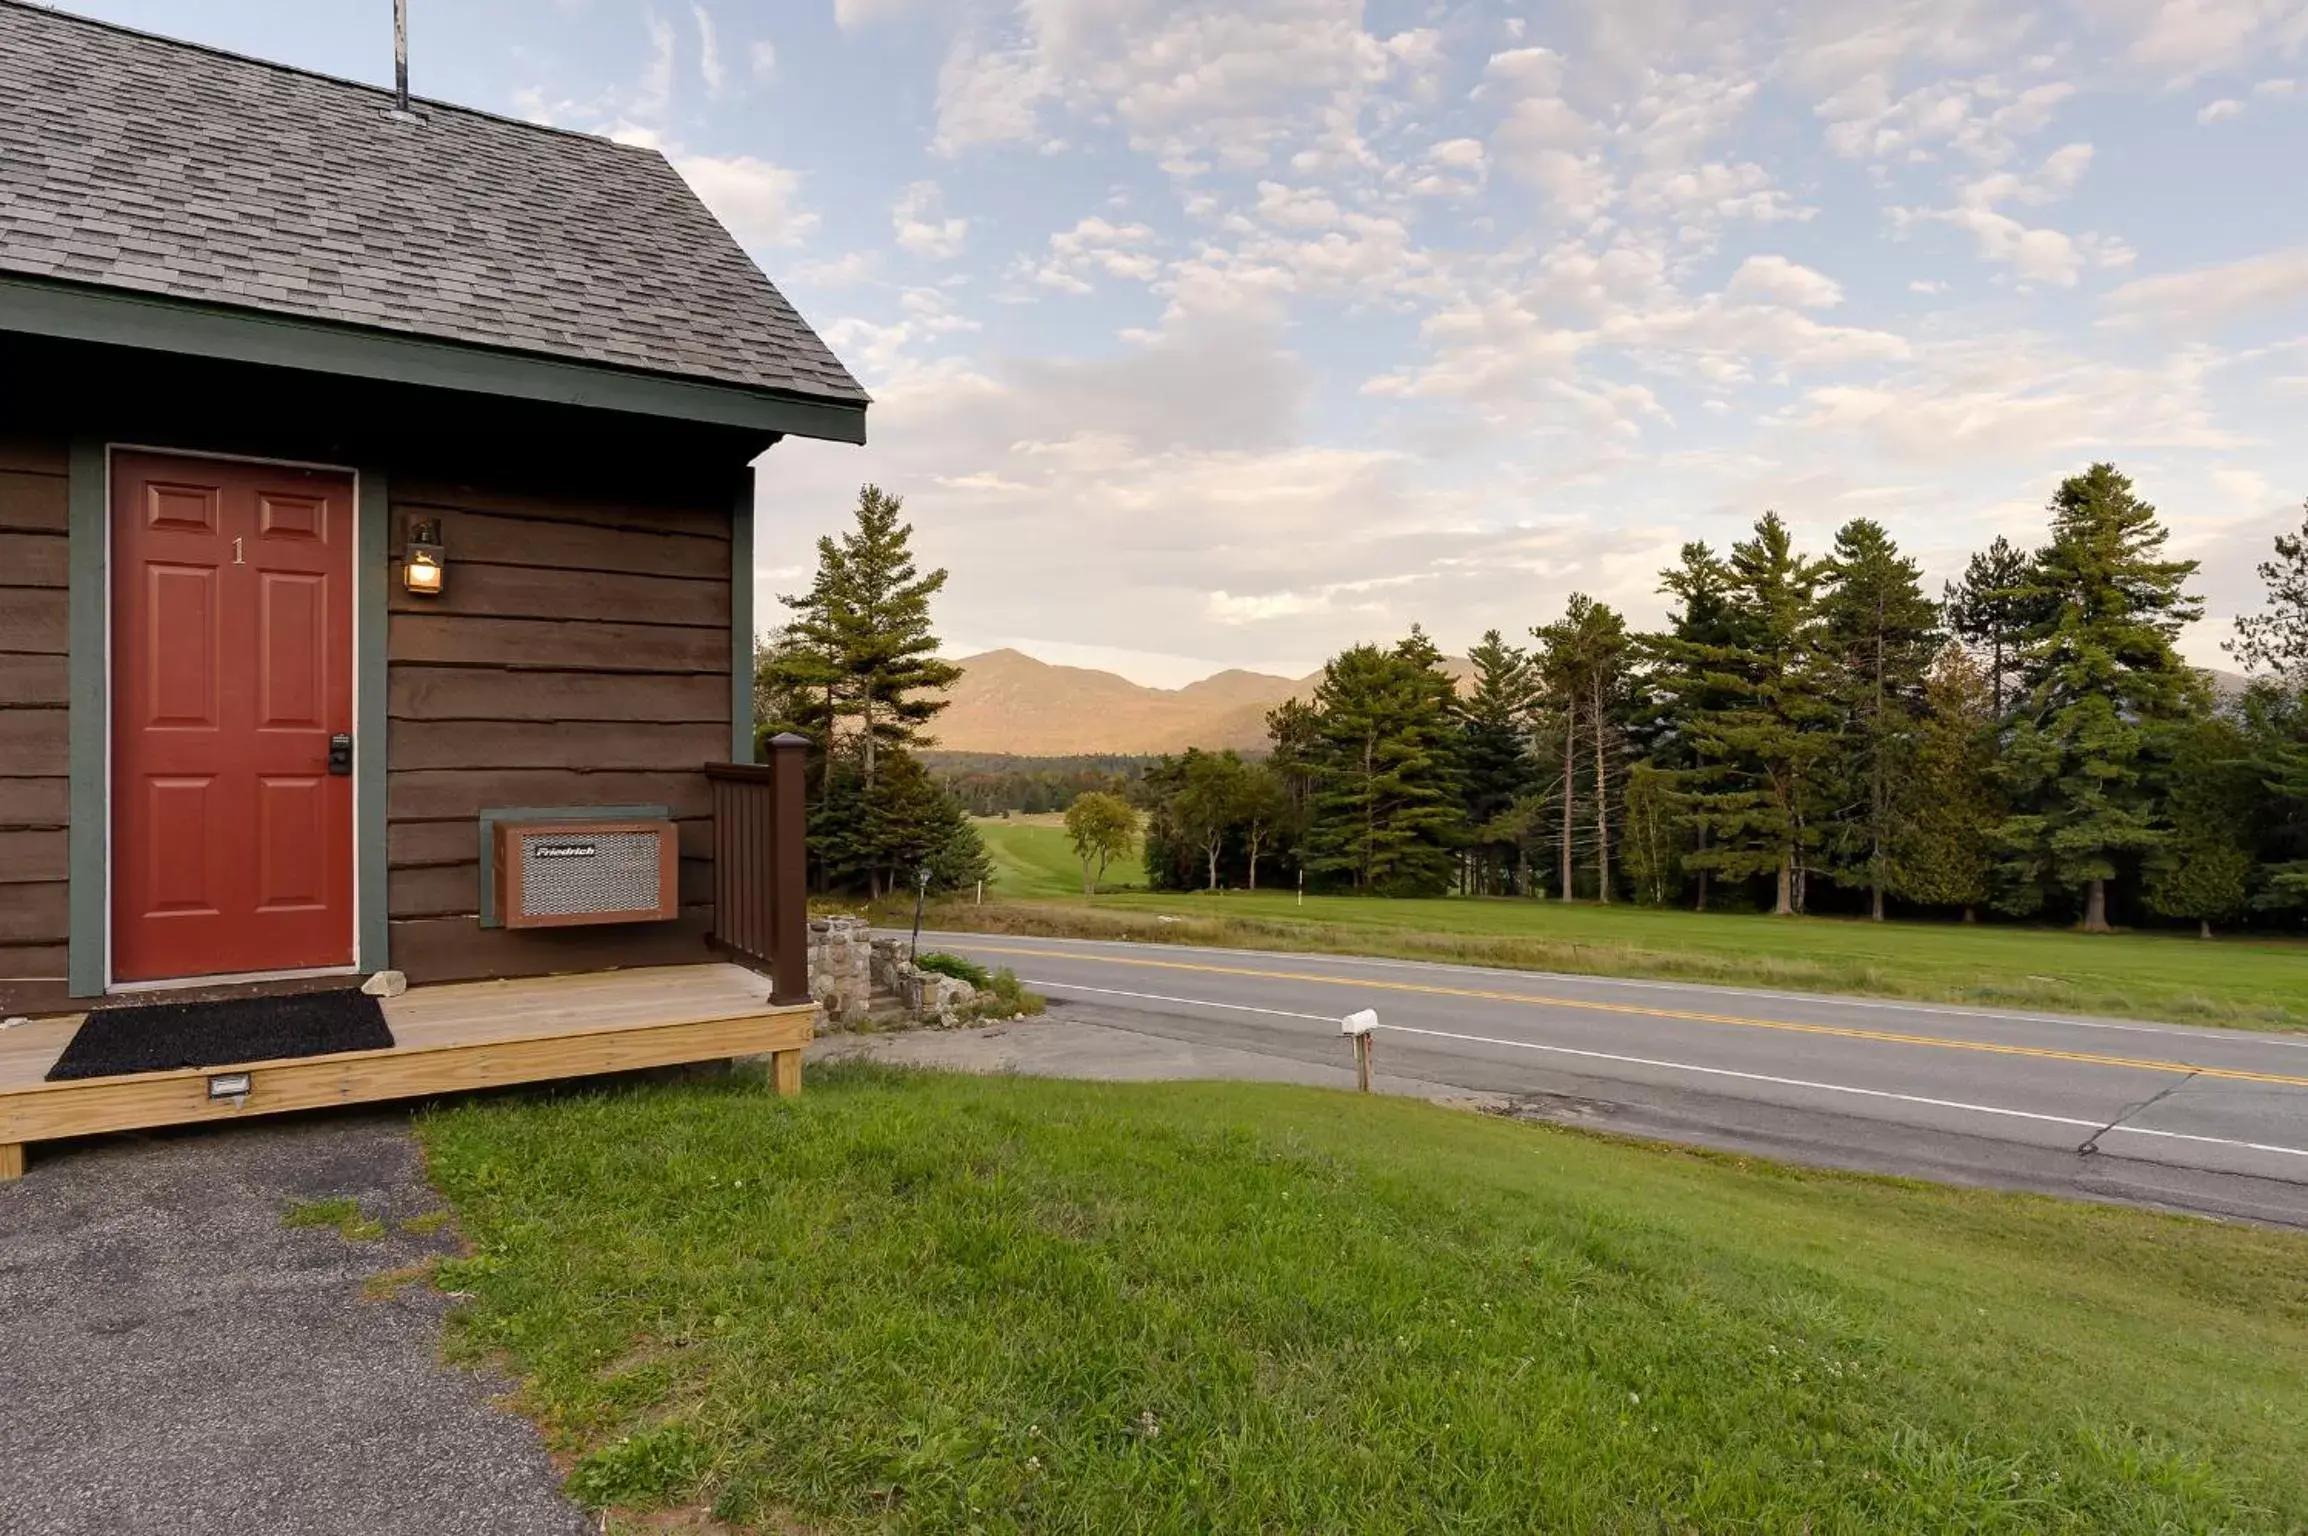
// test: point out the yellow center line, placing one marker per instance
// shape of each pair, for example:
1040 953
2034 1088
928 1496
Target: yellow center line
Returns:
1589 1005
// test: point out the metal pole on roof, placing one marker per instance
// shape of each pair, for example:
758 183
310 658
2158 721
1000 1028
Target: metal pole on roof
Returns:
401 55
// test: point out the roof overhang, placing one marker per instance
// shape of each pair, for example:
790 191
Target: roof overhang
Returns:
118 317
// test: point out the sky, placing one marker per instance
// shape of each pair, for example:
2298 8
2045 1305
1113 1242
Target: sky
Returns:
1210 333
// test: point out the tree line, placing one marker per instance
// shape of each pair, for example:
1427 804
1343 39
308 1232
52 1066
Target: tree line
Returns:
989 783
1807 732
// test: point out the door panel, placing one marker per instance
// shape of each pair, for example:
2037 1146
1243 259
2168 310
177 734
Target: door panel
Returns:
232 666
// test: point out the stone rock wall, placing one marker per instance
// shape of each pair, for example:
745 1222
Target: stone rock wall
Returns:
862 981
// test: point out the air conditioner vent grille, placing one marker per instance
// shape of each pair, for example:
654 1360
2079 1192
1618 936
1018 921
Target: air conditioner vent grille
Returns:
564 874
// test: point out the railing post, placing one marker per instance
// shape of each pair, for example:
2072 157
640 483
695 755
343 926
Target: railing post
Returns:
789 869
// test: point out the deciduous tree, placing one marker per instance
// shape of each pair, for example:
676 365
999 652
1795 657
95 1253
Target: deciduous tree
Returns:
1102 828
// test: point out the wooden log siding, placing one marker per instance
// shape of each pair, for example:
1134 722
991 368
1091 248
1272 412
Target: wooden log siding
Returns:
34 747
578 655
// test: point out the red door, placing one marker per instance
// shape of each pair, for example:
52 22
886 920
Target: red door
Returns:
232 665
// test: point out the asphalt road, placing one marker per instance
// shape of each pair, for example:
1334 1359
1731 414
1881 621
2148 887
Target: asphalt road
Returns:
2212 1121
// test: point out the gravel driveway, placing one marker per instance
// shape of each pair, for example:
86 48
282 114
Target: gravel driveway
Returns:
176 1360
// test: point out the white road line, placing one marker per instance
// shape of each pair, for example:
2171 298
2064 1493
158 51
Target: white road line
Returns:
1685 1066
1584 978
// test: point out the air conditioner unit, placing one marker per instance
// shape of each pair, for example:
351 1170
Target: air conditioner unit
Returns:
555 874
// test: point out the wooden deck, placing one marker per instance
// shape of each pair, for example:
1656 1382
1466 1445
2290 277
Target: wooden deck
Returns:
446 1039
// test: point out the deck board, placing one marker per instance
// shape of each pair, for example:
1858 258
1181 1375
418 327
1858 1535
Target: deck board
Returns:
446 1039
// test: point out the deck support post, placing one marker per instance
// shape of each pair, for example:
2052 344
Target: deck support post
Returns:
785 1073
11 1161
789 872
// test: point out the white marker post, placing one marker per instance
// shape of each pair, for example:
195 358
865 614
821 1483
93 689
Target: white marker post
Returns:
1359 1027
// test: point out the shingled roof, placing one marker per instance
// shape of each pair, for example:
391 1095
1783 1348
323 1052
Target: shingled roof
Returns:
135 162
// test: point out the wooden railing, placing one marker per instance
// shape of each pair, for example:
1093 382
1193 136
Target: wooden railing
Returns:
760 866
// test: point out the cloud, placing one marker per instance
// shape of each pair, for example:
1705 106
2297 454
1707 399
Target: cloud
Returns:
709 67
761 58
2185 39
1096 247
654 94
858 13
1776 280
918 228
988 96
2220 111
2017 399
759 201
2035 254
2210 297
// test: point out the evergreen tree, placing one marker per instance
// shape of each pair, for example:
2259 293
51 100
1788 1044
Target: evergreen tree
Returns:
1762 734
1677 683
1385 812
2276 638
876 838
862 633
2276 725
2203 869
1945 853
1878 633
1494 749
2103 687
1988 609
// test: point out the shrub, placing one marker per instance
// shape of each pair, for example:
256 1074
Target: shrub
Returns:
1007 998
955 966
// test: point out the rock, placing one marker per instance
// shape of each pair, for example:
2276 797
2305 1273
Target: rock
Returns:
386 984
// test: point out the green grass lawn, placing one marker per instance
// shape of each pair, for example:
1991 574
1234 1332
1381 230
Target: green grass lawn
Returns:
2256 983
1032 858
940 1303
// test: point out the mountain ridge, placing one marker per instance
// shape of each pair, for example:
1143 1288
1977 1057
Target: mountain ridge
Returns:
1010 702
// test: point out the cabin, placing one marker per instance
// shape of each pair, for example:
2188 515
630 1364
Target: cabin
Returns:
376 516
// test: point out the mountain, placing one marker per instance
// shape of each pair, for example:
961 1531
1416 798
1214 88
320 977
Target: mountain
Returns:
1007 701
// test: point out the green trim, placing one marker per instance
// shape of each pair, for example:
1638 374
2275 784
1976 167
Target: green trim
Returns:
372 578
741 623
90 533
157 323
491 815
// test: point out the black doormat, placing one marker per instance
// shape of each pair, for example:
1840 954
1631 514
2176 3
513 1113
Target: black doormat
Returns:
160 1037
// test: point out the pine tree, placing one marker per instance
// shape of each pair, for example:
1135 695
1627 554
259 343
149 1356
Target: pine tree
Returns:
1762 734
2103 689
2203 869
1675 684
2276 724
1385 814
877 837
1878 633
1945 853
1494 747
862 632
1989 609
2276 638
